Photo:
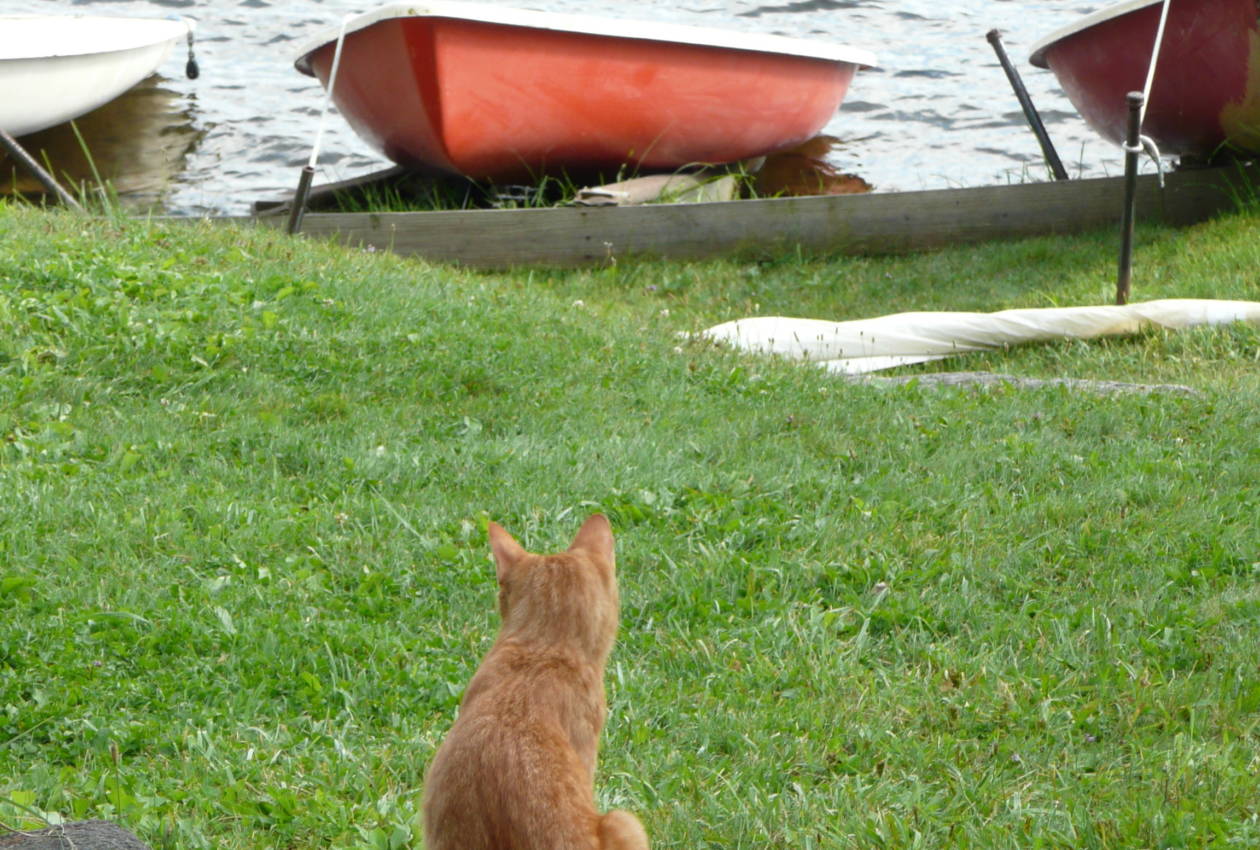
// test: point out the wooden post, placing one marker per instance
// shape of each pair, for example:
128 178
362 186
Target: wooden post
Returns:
1132 149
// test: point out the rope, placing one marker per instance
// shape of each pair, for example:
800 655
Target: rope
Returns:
1146 143
332 81
1150 69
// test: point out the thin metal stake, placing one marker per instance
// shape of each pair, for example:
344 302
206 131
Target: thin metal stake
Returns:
1030 111
1132 149
298 208
308 173
19 153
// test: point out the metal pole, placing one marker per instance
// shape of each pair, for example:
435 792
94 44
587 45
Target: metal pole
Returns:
299 199
308 173
1030 111
1132 148
16 151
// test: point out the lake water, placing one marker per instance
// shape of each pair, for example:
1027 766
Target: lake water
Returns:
937 112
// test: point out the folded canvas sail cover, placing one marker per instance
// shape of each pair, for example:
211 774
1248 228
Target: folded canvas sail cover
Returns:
868 345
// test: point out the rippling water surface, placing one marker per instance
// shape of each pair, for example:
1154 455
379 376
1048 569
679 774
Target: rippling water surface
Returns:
937 112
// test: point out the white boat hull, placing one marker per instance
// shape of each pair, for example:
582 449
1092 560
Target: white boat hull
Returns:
56 68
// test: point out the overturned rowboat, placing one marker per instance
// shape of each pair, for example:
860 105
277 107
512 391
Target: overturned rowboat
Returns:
510 94
54 68
1205 94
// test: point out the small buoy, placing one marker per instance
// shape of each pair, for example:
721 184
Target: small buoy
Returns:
191 69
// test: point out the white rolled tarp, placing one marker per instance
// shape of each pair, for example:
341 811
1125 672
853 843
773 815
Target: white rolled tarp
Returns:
868 345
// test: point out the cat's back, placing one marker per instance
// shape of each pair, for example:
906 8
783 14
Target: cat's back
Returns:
524 700
516 770
519 759
498 783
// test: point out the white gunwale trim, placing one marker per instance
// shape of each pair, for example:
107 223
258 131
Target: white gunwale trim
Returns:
1037 57
40 36
591 25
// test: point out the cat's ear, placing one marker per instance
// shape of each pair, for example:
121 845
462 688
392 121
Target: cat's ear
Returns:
595 536
507 552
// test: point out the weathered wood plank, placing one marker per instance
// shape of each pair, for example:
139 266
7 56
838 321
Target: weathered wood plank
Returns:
876 223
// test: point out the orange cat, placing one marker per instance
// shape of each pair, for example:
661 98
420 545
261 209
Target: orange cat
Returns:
517 770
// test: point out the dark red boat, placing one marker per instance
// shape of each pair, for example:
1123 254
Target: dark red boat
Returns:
1206 92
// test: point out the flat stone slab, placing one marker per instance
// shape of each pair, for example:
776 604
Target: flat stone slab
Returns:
79 835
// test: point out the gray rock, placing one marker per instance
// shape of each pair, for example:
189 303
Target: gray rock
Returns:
80 835
992 379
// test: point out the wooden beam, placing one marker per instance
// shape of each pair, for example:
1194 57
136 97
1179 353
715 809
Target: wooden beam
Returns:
858 224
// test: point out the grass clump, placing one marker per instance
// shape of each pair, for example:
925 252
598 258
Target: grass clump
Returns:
243 574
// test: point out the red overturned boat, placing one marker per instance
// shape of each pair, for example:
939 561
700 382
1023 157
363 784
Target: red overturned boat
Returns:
507 95
1206 91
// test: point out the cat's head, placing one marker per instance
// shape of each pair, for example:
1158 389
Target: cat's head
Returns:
569 597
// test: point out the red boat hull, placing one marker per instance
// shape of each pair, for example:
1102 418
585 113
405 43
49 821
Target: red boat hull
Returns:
504 103
1206 92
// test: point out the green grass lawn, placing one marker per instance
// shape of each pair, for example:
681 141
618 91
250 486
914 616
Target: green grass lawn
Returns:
244 577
